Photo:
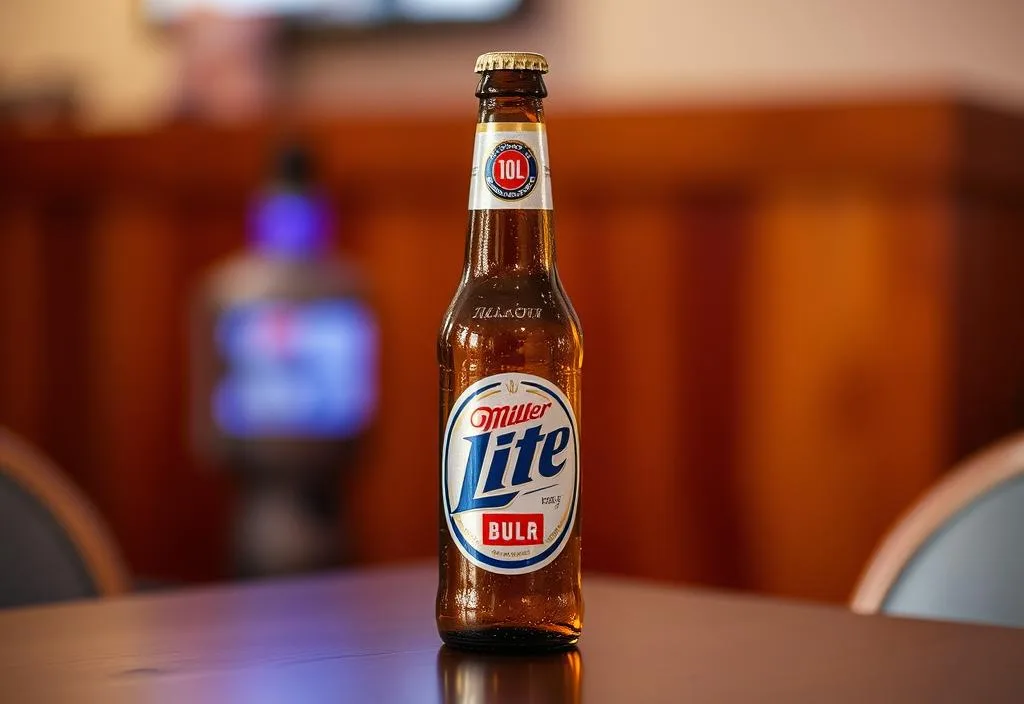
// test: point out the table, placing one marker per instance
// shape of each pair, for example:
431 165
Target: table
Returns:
368 636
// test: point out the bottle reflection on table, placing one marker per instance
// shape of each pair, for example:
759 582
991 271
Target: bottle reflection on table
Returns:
475 678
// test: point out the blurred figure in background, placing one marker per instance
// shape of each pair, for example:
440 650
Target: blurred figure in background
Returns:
285 376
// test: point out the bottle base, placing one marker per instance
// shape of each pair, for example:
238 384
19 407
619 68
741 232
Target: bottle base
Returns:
501 639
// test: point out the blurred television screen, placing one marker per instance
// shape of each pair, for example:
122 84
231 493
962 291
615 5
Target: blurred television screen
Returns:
340 13
296 370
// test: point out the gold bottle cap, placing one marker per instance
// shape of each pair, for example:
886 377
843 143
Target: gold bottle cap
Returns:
511 60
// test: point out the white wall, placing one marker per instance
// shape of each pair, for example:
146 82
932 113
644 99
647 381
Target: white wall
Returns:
766 47
602 51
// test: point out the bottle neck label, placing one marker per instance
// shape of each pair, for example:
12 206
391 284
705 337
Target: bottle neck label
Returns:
510 167
510 473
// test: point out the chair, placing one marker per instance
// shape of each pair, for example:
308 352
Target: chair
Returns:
53 544
958 554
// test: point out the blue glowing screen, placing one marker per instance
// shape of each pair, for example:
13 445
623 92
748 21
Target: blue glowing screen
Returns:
296 369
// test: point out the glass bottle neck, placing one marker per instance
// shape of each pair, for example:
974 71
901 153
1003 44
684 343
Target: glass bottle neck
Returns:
510 243
510 234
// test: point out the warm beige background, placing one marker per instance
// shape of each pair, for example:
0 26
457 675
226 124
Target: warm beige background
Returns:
602 51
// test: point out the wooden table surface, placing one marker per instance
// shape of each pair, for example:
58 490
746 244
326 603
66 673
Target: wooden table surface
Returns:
369 637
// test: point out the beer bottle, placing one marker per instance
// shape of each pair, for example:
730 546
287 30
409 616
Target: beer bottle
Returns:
510 351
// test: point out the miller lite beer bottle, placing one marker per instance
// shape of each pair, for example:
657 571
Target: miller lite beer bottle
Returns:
510 351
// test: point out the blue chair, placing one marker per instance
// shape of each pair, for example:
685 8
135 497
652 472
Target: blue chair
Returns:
958 554
53 544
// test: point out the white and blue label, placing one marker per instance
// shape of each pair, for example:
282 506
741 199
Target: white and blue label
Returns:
510 472
510 167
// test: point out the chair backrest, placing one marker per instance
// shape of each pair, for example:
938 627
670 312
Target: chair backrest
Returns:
958 554
53 544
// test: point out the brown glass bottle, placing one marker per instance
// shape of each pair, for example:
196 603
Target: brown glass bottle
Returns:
510 351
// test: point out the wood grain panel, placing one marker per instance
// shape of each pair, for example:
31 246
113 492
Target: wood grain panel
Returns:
990 330
844 373
21 319
795 318
135 347
635 408
395 492
66 221
208 228
714 232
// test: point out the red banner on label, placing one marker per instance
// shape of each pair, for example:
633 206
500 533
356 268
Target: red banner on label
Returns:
513 528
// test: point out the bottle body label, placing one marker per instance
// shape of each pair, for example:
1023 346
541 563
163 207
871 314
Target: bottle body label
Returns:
510 472
510 167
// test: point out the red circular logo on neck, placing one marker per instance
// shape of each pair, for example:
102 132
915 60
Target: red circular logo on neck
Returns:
511 170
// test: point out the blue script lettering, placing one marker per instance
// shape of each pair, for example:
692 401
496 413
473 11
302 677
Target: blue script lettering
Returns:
555 443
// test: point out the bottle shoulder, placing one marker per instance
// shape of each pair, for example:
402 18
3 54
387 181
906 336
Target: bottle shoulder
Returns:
520 308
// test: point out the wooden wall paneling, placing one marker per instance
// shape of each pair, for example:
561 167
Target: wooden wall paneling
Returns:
67 219
413 255
663 341
713 232
635 510
135 364
824 351
843 364
989 335
22 330
915 435
986 200
786 443
207 228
